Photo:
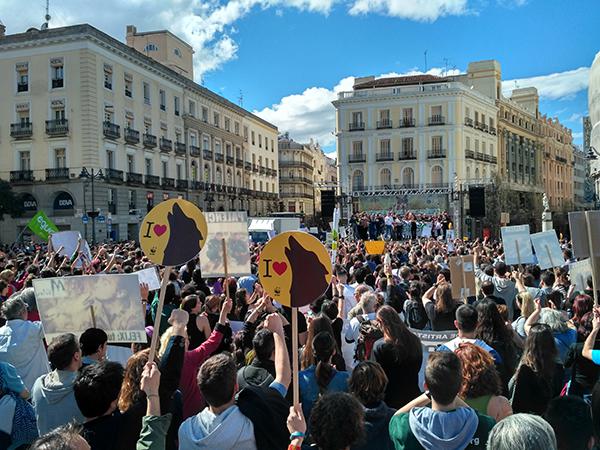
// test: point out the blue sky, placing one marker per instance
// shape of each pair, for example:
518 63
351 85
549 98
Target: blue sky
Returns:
289 57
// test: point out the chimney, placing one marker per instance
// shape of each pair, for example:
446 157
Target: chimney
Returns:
131 29
2 30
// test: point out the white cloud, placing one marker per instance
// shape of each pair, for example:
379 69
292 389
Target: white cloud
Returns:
575 117
560 85
578 135
420 10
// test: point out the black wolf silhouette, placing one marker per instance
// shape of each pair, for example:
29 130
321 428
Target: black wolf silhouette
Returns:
308 274
184 238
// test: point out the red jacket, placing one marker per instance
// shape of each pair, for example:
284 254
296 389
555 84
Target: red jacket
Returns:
193 402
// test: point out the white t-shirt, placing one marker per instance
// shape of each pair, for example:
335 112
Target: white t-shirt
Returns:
349 300
350 332
389 220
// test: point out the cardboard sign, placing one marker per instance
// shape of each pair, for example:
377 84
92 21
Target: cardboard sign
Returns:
150 277
426 231
173 232
430 341
375 247
579 272
74 304
294 268
517 244
579 234
547 249
233 227
462 274
68 240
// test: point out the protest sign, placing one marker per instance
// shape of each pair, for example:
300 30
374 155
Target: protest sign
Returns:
173 232
517 244
426 231
547 249
150 277
584 228
69 240
579 272
233 228
42 226
462 274
375 247
295 270
74 304
579 235
430 341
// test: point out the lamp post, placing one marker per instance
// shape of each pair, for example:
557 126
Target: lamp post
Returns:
592 155
457 206
91 175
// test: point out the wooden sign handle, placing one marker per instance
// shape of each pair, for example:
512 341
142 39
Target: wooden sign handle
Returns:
295 369
93 316
518 252
159 309
226 282
550 256
464 279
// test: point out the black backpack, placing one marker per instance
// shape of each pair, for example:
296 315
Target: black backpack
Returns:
368 334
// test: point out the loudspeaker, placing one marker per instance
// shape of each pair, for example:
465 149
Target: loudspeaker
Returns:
327 203
477 201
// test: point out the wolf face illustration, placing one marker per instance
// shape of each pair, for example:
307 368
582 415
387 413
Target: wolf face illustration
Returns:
184 238
308 279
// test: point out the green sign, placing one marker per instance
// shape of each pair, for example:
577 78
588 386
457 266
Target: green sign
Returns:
42 226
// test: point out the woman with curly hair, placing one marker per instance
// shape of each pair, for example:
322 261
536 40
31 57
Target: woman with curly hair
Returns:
584 373
582 305
481 387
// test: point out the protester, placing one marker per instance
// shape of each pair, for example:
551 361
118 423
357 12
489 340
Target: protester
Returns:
522 431
67 437
439 305
571 420
94 346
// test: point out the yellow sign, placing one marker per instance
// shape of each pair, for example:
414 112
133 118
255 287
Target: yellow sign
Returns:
294 268
375 247
173 232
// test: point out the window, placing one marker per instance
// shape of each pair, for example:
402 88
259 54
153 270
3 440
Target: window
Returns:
252 138
132 203
436 111
110 159
246 134
468 143
227 124
163 100
148 164
24 160
357 118
176 105
437 175
22 77
384 115
165 169
177 136
193 140
58 73
205 114
260 140
385 177
128 85
228 150
467 113
60 158
236 128
205 143
436 143
476 145
108 76
216 119
112 200
129 120
177 52
272 146
357 148
179 172
130 163
407 146
147 126
408 176
357 180
384 147
291 206
483 147
218 148
151 47
266 143
146 93
59 114
206 173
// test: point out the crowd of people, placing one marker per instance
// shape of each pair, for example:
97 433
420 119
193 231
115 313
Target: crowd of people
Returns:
397 226
519 370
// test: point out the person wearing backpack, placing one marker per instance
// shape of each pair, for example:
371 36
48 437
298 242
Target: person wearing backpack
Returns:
415 315
400 354
359 329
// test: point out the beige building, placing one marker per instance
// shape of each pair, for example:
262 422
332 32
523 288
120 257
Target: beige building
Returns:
297 163
75 98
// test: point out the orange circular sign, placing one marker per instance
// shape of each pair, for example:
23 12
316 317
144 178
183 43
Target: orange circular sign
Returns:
294 268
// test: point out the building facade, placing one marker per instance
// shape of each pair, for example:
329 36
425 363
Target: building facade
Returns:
594 122
297 167
79 102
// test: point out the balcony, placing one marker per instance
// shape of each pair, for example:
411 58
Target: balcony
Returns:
58 127
152 180
262 170
21 176
165 145
111 130
22 87
493 131
208 155
468 122
182 185
58 83
219 157
60 174
437 120
135 178
230 189
384 123
239 162
437 153
197 185
407 155
131 136
356 126
385 156
247 166
255 168
21 130
229 160
114 175
357 158
561 159
478 125
195 151
293 163
149 140
180 148
469 154
168 183
407 122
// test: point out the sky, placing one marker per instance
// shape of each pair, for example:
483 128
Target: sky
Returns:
286 60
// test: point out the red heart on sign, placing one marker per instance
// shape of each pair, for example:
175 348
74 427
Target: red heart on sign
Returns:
279 267
159 230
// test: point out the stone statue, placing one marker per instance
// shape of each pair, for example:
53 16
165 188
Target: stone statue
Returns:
545 202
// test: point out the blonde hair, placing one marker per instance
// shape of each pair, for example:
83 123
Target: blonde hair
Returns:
527 306
164 341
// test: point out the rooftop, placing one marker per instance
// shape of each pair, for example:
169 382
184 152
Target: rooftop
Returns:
371 82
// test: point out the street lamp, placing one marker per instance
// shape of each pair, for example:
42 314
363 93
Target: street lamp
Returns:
592 154
85 174
209 198
457 201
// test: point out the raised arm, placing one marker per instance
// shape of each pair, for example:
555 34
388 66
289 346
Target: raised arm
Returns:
588 345
534 317
283 373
